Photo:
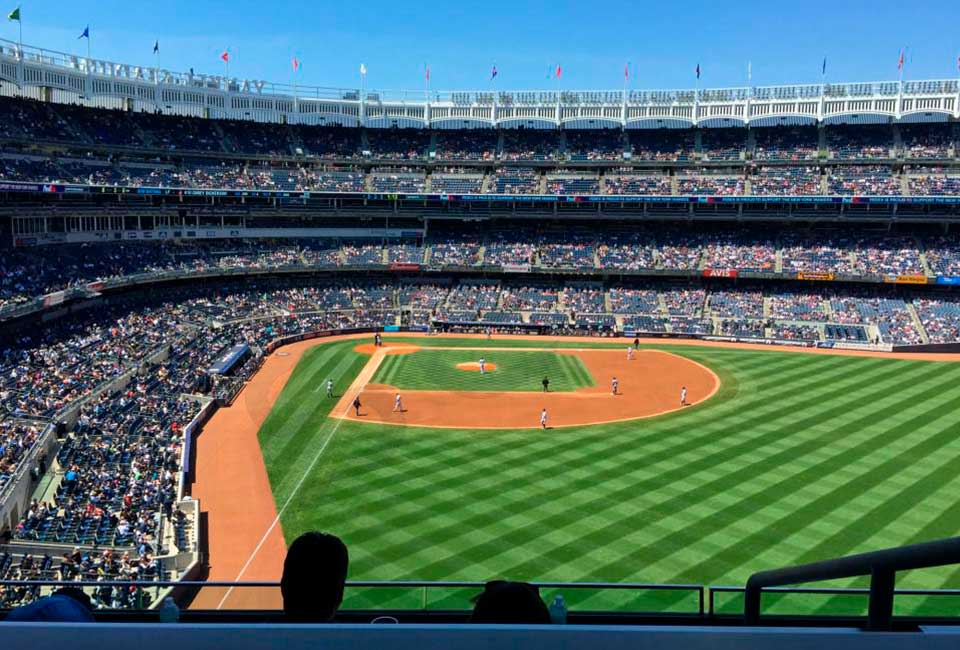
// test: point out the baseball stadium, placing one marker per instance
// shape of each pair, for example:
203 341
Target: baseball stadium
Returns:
674 360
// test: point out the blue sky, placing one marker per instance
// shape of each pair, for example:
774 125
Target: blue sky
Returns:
461 41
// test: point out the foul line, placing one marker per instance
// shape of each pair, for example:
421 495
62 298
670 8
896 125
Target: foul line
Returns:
365 375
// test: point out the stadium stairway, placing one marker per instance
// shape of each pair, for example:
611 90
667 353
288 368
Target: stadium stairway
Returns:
897 141
924 337
927 270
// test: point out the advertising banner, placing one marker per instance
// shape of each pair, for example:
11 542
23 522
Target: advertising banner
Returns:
818 277
906 279
720 273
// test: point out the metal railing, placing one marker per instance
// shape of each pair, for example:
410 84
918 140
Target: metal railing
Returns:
419 589
690 600
881 566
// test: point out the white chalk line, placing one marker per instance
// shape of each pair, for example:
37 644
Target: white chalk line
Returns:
365 375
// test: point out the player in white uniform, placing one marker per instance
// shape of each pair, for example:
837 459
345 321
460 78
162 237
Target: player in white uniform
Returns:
629 353
614 385
543 419
329 388
483 366
397 404
683 396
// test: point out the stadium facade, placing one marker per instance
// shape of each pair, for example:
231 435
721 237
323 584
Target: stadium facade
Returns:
55 76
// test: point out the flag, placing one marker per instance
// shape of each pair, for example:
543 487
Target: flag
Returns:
14 15
156 47
749 71
427 68
559 71
698 71
225 56
296 64
958 62
626 72
900 61
823 69
493 73
363 69
85 34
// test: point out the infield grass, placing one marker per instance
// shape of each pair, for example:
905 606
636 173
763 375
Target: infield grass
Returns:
515 371
798 458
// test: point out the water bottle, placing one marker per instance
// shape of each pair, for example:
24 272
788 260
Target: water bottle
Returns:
558 611
169 612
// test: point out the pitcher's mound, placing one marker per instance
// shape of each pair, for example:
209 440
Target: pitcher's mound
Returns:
473 366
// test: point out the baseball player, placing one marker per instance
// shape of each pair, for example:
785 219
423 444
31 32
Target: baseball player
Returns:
683 396
543 419
356 404
483 366
629 353
329 388
614 385
398 404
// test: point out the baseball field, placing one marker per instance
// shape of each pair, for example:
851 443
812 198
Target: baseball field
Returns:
780 458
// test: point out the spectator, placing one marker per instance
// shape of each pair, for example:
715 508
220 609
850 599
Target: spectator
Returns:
510 603
68 605
314 575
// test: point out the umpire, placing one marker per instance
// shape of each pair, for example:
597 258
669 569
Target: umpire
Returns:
546 385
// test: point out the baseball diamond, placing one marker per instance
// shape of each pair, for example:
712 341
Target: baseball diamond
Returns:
799 455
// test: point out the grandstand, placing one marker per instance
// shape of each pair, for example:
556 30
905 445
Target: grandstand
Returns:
161 237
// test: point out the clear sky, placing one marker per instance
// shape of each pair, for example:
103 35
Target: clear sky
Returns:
462 40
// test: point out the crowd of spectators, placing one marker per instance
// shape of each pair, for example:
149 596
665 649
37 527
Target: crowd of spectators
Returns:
795 144
473 144
785 181
860 142
863 180
694 184
742 252
926 141
597 144
624 182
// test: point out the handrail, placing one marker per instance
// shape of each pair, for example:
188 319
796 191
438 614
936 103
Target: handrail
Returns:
420 584
881 566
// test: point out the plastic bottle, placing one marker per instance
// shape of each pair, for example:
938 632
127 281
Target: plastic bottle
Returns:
558 611
169 612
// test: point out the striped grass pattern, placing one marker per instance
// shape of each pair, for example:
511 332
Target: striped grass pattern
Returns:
798 458
515 371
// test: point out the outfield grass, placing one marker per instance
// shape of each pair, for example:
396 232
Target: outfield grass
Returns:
515 371
798 458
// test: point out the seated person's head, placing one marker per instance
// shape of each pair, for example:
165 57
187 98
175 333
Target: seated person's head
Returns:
314 573
510 603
